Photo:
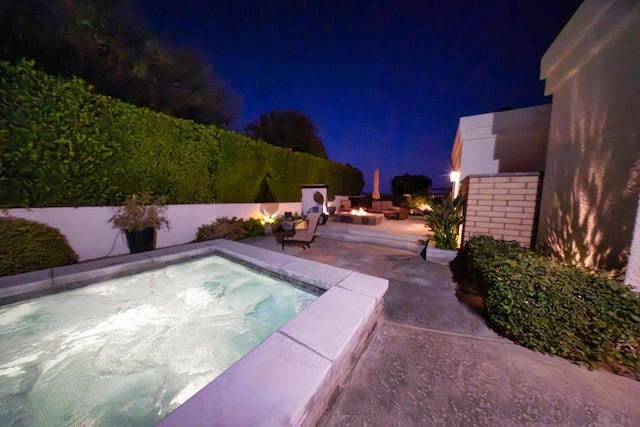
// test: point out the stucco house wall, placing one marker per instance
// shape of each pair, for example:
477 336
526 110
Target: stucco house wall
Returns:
592 174
307 200
502 142
497 160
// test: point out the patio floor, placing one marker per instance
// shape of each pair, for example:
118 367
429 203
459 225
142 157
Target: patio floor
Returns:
431 361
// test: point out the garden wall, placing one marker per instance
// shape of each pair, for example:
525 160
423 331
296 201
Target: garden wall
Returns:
90 234
502 206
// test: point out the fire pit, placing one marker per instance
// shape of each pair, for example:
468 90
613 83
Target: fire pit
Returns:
359 216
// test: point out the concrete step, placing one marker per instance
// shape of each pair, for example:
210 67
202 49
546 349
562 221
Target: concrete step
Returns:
410 245
381 235
408 242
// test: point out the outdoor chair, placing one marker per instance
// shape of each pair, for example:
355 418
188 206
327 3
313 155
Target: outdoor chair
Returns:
303 237
403 213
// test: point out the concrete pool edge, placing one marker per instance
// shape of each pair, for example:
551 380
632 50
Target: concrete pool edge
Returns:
20 287
290 377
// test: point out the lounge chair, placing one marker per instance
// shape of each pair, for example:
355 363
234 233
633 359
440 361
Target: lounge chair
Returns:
304 237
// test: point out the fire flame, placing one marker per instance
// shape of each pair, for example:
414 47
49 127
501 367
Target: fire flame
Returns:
359 212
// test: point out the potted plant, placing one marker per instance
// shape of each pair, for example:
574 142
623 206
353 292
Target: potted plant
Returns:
319 199
139 219
444 219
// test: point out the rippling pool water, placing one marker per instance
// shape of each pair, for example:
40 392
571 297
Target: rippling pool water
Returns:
128 351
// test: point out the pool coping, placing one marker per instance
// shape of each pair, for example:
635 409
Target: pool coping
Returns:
291 376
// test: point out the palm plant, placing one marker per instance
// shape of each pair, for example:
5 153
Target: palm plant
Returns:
444 219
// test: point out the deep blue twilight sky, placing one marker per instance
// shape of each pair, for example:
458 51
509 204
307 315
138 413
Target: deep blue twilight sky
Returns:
385 81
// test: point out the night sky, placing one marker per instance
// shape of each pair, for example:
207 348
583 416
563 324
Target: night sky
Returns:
385 81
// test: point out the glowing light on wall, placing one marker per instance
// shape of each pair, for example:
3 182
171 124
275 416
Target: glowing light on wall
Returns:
454 178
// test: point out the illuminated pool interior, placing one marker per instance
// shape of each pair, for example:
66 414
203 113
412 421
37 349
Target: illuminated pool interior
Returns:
291 375
130 350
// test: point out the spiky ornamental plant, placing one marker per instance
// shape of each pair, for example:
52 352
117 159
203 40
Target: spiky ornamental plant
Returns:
444 219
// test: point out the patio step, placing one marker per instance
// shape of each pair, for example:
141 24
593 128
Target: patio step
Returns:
389 236
398 241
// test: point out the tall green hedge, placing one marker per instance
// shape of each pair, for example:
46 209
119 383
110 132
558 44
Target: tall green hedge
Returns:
61 144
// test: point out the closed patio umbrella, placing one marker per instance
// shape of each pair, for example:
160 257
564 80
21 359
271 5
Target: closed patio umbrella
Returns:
376 185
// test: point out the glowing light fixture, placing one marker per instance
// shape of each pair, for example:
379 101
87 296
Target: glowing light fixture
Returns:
454 177
268 219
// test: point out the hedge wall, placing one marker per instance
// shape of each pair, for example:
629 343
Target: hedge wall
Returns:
61 144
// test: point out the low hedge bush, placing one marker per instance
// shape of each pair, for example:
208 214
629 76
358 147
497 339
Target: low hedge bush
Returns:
29 246
231 229
554 308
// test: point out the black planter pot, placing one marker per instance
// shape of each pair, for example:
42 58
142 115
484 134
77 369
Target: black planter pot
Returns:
141 240
323 219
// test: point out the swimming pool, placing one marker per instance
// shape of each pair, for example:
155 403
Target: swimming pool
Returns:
128 351
293 373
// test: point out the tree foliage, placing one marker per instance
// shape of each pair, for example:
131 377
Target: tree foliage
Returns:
289 129
409 184
102 42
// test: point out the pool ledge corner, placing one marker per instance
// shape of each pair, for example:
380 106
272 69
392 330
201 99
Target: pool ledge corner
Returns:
290 378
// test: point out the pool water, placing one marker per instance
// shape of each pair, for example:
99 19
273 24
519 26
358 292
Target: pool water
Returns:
128 351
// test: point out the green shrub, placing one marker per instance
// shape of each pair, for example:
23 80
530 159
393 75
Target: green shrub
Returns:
30 246
253 227
231 229
556 309
420 200
222 228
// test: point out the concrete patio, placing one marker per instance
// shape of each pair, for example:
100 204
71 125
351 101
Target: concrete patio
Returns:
406 234
431 361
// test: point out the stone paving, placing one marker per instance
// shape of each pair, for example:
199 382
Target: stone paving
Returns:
431 361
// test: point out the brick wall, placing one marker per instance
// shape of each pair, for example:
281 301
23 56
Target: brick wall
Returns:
503 206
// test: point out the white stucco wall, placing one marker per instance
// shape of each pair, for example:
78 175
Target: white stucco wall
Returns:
90 234
307 198
337 200
502 142
592 174
253 210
